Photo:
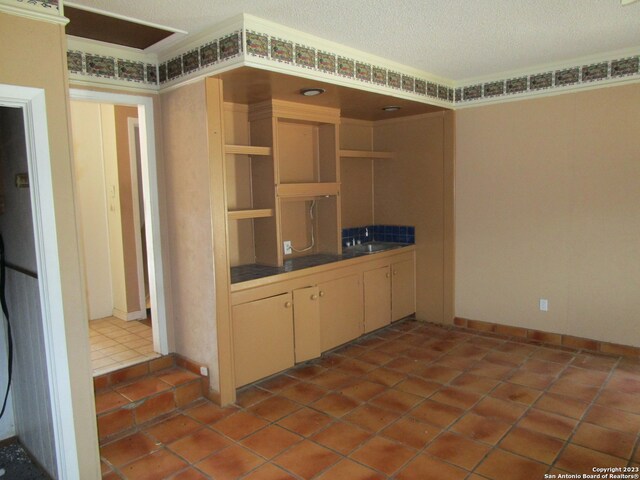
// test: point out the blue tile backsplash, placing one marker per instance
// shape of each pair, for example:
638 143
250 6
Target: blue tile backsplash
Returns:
379 233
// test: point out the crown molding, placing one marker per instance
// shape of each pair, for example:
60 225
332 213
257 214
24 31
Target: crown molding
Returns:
43 11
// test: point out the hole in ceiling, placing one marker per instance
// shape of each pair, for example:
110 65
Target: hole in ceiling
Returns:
105 28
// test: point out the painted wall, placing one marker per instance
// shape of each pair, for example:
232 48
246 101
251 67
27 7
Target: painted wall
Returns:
548 206
415 189
114 218
89 165
36 52
125 183
186 164
356 174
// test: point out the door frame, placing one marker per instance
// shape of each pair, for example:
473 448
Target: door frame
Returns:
32 102
150 193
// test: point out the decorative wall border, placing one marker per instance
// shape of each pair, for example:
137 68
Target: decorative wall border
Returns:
245 41
269 47
195 60
50 4
552 80
104 66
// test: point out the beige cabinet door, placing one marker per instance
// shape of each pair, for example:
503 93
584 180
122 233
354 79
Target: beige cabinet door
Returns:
262 338
377 298
341 311
403 289
306 323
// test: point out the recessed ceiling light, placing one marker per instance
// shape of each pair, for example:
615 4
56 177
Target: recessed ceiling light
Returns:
391 108
312 92
627 2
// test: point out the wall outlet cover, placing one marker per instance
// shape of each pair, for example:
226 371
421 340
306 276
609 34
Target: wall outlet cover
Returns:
287 247
544 304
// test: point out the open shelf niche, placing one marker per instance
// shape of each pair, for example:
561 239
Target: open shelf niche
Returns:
281 158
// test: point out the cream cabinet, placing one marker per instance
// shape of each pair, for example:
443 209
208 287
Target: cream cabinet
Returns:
296 316
341 311
377 298
262 338
403 289
306 323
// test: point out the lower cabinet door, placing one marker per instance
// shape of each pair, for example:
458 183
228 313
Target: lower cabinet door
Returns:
341 311
403 289
306 323
262 338
377 299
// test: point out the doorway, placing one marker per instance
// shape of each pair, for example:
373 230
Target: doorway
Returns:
116 183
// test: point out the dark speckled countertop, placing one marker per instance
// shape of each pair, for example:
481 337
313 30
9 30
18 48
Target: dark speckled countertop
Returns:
244 273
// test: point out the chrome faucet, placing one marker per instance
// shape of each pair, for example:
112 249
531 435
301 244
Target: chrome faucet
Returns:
366 232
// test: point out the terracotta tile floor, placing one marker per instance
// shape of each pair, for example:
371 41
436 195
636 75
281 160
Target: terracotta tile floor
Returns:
117 344
412 401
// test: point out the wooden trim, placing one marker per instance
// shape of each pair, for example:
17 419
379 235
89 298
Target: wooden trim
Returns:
366 154
255 213
218 203
294 111
549 338
285 190
247 150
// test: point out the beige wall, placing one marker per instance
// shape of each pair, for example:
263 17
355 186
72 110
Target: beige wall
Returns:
415 189
186 166
33 54
356 174
122 114
548 206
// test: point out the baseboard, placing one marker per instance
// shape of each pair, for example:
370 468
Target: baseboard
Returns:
540 336
194 367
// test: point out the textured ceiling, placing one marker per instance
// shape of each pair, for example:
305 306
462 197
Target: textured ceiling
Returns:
454 39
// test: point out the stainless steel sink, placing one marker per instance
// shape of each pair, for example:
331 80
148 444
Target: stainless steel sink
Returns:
373 247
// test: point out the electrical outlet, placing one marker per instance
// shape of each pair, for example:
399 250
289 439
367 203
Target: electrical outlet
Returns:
544 304
287 247
204 371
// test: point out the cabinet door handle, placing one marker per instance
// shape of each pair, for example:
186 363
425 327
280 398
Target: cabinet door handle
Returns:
387 275
395 272
321 293
287 304
314 297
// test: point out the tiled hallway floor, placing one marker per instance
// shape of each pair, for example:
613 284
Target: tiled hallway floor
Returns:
413 401
116 343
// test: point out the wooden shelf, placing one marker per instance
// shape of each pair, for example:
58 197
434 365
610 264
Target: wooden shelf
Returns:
290 190
366 154
247 150
255 213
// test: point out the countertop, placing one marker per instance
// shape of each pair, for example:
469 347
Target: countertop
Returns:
244 273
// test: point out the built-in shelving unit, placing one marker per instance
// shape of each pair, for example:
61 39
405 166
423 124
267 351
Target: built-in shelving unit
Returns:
250 213
248 150
366 154
305 190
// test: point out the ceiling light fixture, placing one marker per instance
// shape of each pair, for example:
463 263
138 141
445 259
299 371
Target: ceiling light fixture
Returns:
312 92
627 2
391 108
